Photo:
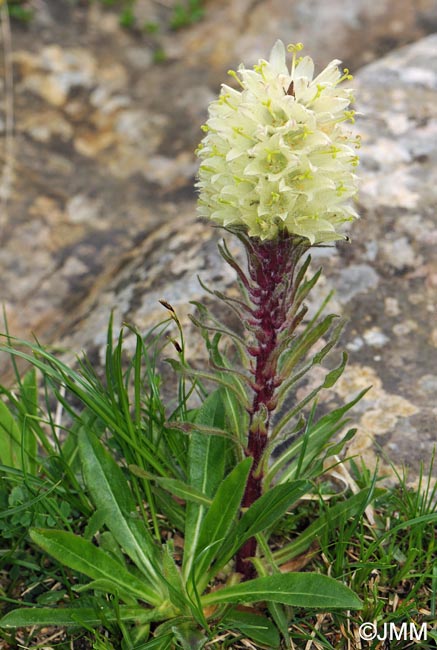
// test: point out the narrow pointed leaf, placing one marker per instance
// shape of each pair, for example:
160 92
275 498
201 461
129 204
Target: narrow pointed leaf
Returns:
107 587
254 626
206 458
318 436
332 377
332 517
81 555
304 344
174 486
10 438
265 512
311 590
76 616
220 517
29 396
112 496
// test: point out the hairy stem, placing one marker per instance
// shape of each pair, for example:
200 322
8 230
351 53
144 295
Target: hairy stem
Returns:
271 288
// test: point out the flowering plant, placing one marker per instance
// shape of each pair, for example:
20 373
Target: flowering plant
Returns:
277 173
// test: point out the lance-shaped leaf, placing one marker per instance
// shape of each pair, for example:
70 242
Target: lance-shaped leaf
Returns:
112 496
311 590
254 626
81 555
332 517
84 616
318 436
221 516
174 486
264 513
10 438
206 468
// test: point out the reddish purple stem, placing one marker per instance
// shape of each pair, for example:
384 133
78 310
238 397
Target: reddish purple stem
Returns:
271 268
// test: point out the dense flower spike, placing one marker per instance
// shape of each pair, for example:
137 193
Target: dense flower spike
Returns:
276 156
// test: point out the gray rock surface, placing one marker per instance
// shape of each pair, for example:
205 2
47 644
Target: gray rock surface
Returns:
101 211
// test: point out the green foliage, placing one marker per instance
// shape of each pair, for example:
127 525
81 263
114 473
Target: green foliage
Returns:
133 501
182 14
20 10
127 18
186 13
24 506
146 474
298 589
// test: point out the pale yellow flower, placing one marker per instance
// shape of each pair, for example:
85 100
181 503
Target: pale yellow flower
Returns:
276 154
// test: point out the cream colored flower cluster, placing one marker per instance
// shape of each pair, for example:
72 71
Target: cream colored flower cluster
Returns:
276 154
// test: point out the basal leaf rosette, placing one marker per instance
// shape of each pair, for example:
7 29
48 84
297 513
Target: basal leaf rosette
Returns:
276 156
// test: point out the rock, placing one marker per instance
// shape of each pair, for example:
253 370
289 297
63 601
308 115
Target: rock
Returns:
46 125
400 254
56 72
81 209
102 211
139 58
170 171
238 30
355 279
387 301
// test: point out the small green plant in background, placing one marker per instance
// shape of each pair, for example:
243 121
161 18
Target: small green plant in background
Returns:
181 14
19 10
186 13
221 516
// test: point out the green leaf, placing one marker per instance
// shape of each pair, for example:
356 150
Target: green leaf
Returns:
332 517
78 616
174 486
107 587
278 612
108 543
81 555
29 392
266 510
217 378
206 458
163 642
86 391
235 411
29 396
311 590
10 438
317 358
307 285
189 637
112 496
254 626
172 574
304 343
332 377
221 516
262 514
318 435
174 512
